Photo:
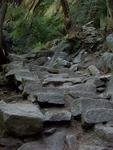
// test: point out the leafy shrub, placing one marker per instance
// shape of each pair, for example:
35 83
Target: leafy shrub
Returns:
89 10
28 30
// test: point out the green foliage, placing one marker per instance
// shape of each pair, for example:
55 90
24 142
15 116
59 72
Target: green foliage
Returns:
38 46
32 30
27 31
89 10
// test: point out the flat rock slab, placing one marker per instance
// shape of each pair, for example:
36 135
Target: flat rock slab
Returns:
105 132
52 97
81 105
99 83
14 98
21 75
109 89
57 80
10 142
60 75
21 119
54 142
15 57
15 65
92 147
57 115
87 104
93 70
105 78
97 115
31 87
33 146
71 142
44 95
79 94
76 108
80 87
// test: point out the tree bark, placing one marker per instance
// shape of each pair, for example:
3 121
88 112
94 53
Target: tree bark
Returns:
67 14
110 13
3 10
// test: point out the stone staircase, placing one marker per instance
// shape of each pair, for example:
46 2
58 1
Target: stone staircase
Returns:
54 103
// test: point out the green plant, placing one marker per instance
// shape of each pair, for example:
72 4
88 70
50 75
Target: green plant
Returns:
30 30
89 10
38 46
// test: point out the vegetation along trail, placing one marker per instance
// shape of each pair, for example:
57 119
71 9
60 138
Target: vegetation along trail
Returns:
56 75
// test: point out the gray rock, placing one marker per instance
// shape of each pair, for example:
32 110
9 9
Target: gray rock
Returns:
61 62
74 67
57 115
81 105
14 65
10 142
92 147
31 87
105 132
105 78
44 95
21 75
100 89
60 54
76 109
109 40
77 59
33 146
14 98
15 57
93 70
50 131
89 104
67 84
53 70
106 62
42 61
81 88
78 94
59 59
54 142
80 57
71 142
21 119
99 83
44 53
61 80
109 89
61 75
50 98
30 55
97 115
63 47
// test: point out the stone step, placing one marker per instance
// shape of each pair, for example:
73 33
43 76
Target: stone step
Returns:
98 115
105 132
81 105
44 95
59 81
57 115
21 75
21 119
50 98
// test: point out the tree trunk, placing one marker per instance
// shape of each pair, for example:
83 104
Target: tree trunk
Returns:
67 15
3 9
110 13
